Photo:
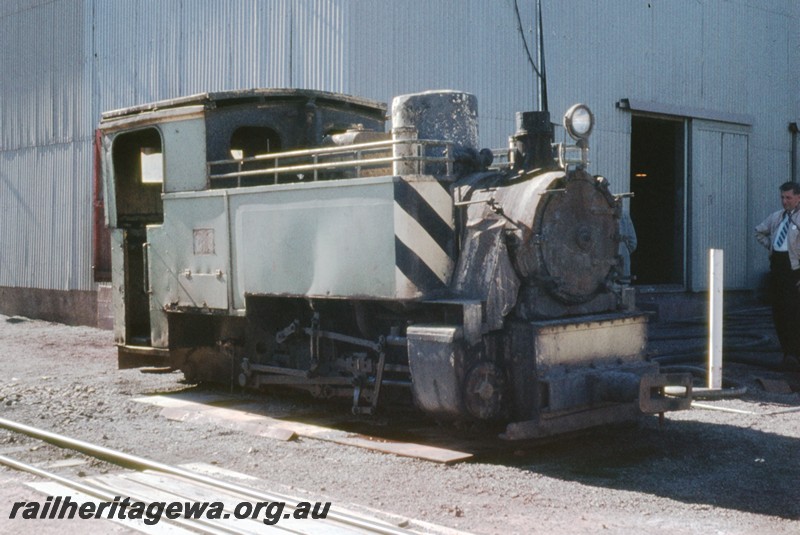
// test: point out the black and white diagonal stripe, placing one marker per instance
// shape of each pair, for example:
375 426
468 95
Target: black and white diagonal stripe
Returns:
424 236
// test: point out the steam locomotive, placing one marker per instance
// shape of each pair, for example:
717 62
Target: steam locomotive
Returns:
282 237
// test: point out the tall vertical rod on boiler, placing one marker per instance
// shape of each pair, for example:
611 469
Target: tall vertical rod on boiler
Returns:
540 53
715 319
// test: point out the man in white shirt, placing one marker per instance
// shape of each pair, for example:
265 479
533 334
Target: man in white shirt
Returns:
780 235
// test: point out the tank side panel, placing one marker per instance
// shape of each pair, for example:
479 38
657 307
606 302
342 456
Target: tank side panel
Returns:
189 254
319 239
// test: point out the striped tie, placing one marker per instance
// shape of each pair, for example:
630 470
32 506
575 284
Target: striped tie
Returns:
783 231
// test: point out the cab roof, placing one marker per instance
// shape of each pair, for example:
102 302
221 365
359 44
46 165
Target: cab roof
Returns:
219 99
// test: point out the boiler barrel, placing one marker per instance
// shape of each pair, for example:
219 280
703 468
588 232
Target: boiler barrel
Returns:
563 233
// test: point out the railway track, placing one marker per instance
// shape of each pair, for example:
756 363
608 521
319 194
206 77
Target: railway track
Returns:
233 508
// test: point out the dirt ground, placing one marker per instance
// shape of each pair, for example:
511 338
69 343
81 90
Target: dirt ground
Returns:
707 470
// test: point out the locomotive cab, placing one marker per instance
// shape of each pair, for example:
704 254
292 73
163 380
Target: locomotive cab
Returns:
155 155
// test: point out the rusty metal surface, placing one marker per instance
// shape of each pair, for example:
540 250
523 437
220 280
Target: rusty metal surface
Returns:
578 243
564 232
484 271
563 240
652 398
437 361
557 424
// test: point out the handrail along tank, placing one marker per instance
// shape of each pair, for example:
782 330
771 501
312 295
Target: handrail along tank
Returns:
287 239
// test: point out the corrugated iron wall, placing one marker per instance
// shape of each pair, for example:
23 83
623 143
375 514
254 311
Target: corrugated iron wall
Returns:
367 48
45 157
469 45
64 61
736 57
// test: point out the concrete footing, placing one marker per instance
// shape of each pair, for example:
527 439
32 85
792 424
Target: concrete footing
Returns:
71 307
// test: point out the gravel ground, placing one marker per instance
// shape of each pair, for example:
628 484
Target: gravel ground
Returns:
701 471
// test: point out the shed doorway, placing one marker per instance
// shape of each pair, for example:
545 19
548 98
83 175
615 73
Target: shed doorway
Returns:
657 208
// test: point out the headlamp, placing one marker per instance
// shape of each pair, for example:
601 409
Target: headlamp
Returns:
579 121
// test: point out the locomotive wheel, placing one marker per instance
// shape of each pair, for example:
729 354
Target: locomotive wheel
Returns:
484 390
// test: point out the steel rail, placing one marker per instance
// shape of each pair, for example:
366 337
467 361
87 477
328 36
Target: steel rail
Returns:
130 460
97 492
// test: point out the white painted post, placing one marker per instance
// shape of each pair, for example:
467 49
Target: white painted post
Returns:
715 319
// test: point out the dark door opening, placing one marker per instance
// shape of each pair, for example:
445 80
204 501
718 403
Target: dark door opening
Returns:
138 182
657 206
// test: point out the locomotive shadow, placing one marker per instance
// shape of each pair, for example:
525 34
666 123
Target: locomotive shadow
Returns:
400 423
693 462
